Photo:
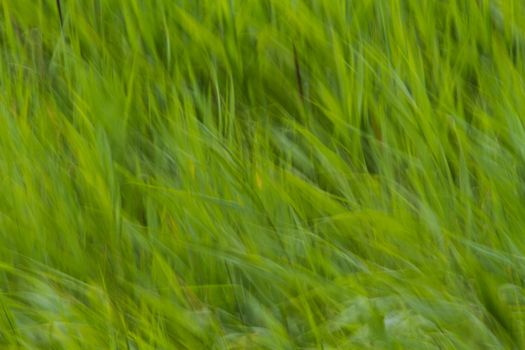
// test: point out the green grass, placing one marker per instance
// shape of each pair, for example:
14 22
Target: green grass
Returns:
262 174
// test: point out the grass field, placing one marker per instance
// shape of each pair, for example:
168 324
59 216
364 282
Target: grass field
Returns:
262 174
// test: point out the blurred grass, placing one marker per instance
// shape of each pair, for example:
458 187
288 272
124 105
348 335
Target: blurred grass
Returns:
262 174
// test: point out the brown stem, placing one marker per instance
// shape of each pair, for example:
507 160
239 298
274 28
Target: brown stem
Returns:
298 75
59 7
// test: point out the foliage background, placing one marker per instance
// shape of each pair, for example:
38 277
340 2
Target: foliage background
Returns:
263 174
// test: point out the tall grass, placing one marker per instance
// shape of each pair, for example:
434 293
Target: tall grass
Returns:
262 174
